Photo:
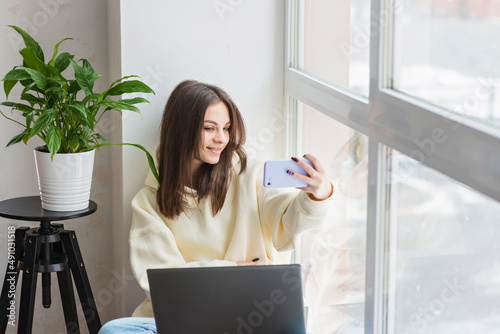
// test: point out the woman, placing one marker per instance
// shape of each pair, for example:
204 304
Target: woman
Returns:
210 207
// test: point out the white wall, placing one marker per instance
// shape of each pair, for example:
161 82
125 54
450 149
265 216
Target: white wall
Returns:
237 45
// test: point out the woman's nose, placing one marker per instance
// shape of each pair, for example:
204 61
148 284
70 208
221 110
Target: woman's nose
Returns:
220 136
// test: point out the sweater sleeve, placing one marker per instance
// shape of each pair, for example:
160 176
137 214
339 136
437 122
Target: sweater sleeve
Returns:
152 244
287 213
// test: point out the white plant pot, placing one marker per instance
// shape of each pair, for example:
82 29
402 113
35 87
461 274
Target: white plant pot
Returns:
65 180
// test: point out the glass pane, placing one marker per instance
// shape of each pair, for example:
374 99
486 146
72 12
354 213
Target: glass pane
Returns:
447 52
334 42
334 260
444 268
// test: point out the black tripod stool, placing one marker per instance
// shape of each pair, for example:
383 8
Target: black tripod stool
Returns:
44 249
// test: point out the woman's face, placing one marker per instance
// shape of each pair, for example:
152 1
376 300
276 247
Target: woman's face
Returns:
215 134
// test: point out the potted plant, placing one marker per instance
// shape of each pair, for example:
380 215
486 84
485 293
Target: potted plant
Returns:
64 114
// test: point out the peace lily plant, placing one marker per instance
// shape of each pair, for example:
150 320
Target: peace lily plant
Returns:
64 112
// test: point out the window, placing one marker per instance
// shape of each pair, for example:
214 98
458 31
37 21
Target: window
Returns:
444 255
333 261
446 53
334 42
428 120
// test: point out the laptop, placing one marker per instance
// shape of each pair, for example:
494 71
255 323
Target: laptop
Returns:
228 300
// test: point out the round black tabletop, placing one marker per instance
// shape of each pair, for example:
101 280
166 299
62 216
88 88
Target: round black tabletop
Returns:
30 208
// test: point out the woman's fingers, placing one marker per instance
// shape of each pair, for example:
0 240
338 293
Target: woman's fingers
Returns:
305 166
312 171
316 163
318 183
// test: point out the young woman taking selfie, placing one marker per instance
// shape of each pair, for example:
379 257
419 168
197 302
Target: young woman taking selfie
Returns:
210 207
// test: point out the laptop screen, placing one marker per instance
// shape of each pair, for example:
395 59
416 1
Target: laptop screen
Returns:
228 300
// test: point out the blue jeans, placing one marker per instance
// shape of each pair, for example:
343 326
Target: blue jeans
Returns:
129 325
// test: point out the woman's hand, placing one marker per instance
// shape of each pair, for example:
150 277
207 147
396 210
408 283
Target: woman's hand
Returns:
318 183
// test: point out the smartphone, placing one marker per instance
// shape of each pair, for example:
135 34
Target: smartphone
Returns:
275 175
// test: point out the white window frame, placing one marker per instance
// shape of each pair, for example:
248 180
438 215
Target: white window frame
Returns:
470 154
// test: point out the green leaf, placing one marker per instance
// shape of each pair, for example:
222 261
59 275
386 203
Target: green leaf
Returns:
74 87
30 42
106 93
17 139
18 106
33 99
74 144
81 111
83 141
104 140
7 86
123 78
135 100
24 108
63 60
42 122
93 77
8 104
31 61
119 105
57 78
16 74
56 49
87 67
38 78
53 139
30 116
26 138
11 79
56 90
132 86
86 131
92 97
31 86
81 78
89 72
54 73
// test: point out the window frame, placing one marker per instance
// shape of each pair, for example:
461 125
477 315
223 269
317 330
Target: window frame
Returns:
470 153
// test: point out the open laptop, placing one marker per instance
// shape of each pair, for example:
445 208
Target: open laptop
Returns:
228 300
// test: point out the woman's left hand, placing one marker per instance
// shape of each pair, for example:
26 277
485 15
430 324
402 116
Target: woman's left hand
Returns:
318 182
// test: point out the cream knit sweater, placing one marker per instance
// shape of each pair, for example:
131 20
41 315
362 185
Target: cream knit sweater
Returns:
255 222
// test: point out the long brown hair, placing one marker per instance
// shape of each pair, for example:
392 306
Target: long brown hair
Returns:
180 140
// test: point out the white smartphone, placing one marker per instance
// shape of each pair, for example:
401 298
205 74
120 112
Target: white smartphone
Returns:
275 173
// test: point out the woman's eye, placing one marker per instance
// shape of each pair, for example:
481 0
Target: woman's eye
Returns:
226 129
209 129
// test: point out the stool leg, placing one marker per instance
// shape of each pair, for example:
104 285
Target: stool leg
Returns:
7 298
32 251
82 283
68 301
